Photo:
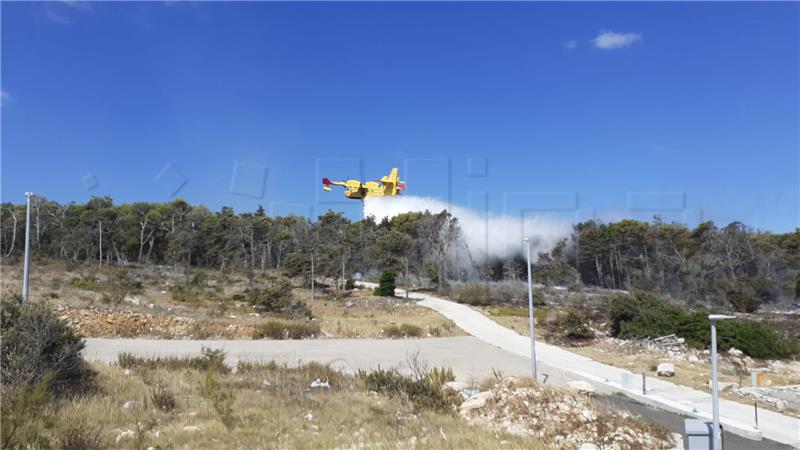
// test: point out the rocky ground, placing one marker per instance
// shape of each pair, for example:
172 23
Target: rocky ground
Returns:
777 383
562 418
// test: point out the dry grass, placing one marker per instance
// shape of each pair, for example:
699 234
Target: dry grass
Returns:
217 308
362 315
516 317
274 407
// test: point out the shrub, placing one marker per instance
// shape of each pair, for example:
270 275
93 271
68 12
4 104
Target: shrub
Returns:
742 302
163 398
23 418
34 342
350 284
438 376
473 293
221 399
82 436
403 331
86 282
422 392
274 329
275 296
386 284
574 325
118 284
186 293
644 315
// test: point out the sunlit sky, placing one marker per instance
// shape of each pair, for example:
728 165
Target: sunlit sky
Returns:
579 110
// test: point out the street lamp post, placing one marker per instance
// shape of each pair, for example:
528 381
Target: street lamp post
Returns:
717 437
27 264
530 312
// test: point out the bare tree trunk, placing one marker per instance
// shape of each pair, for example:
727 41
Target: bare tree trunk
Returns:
100 227
13 232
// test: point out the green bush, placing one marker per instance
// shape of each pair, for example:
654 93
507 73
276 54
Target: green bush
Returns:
275 296
33 343
222 399
386 284
574 325
643 315
24 419
186 293
742 302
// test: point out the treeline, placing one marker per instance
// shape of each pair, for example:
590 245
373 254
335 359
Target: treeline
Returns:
731 264
191 235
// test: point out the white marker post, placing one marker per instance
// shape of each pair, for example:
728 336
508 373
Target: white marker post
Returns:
26 269
717 436
530 312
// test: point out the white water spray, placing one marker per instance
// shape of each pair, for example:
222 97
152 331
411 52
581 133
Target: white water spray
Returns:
486 235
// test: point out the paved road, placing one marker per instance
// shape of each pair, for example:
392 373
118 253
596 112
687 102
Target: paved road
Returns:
470 359
736 417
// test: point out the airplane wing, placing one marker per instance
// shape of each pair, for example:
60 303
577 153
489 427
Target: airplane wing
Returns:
328 183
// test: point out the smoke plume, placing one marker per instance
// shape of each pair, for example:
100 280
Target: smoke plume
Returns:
486 235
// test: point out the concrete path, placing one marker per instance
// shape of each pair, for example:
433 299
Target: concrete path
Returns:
737 418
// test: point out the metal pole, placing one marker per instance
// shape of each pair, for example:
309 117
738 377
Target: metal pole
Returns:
530 313
714 387
26 269
717 433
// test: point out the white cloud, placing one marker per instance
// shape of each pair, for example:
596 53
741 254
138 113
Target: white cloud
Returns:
610 40
53 16
82 5
571 44
5 98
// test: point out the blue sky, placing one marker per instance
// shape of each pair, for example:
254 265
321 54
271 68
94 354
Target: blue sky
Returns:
573 109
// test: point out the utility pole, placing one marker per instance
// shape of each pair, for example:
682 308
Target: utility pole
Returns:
530 312
26 269
717 437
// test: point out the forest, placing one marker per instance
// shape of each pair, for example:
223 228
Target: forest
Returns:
724 265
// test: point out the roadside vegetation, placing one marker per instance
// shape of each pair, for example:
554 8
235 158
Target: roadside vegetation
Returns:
53 399
644 315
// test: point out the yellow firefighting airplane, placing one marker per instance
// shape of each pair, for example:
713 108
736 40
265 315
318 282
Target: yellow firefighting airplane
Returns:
387 186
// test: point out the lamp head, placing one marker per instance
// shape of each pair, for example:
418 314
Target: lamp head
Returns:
716 317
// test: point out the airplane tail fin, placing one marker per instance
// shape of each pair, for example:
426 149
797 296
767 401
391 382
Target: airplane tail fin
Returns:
392 182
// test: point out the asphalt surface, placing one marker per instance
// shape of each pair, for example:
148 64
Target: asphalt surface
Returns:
675 423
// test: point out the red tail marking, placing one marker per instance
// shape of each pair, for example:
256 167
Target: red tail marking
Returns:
326 181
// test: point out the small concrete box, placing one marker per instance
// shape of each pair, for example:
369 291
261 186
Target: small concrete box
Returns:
698 434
